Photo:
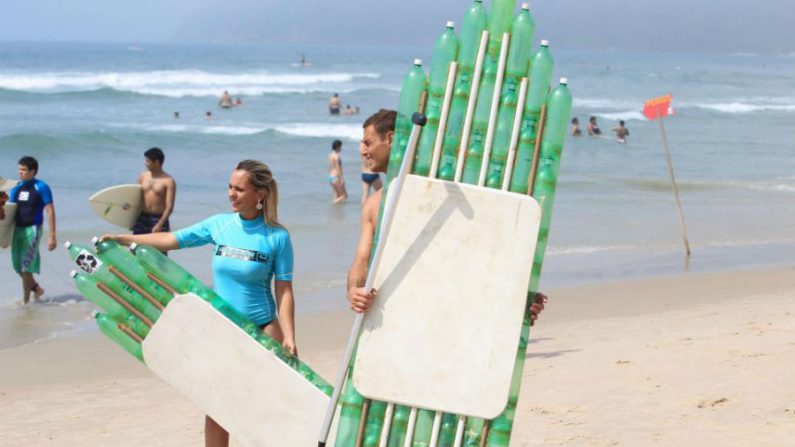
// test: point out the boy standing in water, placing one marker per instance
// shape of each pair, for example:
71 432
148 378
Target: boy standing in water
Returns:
33 198
335 176
621 132
159 191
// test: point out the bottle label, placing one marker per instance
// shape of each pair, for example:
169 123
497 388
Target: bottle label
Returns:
88 262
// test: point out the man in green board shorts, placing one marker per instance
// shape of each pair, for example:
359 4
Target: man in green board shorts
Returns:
33 197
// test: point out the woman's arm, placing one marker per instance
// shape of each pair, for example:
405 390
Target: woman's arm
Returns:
160 241
285 303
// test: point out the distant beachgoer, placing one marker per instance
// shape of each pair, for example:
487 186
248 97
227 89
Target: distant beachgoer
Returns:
575 127
226 101
370 180
621 132
334 105
176 115
159 190
348 110
593 128
356 110
208 115
33 198
335 176
303 60
238 102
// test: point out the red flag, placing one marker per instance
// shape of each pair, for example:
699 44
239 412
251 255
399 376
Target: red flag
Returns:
658 107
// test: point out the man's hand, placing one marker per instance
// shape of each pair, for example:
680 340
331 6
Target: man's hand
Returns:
157 228
361 299
537 306
52 243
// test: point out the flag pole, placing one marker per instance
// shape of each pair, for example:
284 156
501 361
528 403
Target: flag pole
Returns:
682 228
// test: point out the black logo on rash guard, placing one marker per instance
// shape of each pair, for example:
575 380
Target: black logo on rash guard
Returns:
241 253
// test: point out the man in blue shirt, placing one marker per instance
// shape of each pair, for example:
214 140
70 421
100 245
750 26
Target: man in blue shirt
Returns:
33 197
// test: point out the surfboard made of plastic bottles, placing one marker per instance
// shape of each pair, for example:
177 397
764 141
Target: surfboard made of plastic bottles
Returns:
444 328
242 385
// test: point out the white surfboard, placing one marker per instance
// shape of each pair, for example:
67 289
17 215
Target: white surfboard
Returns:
444 329
258 399
119 205
7 225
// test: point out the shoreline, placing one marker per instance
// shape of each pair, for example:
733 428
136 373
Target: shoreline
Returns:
684 351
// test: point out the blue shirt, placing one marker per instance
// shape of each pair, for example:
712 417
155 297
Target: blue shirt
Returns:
31 196
248 255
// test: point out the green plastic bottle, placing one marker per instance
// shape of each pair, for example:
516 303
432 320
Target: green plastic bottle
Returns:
374 424
351 403
516 68
447 433
110 328
558 112
411 91
501 16
87 285
89 263
445 51
400 423
120 257
423 428
480 122
540 74
475 21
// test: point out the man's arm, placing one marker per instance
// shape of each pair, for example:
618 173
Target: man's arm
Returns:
171 193
360 298
50 210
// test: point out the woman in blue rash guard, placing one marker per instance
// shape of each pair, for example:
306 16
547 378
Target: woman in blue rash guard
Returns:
252 249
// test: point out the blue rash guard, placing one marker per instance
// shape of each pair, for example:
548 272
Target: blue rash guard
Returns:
248 254
31 196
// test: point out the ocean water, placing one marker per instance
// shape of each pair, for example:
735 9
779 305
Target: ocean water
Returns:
87 112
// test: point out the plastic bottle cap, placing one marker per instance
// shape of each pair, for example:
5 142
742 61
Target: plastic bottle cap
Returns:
95 314
133 246
72 274
450 24
67 245
95 240
526 6
544 43
564 81
418 61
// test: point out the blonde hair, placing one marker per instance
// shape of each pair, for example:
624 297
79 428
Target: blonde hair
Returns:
261 177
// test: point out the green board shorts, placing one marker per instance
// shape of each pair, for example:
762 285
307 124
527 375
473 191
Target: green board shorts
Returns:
25 249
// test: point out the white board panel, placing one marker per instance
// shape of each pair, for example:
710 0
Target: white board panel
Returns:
444 330
244 387
119 205
7 224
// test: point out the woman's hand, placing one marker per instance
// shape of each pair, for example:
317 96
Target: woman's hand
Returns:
289 345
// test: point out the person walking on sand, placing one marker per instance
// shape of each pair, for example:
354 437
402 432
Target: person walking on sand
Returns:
621 132
334 104
575 127
379 129
159 192
593 127
335 176
33 198
252 260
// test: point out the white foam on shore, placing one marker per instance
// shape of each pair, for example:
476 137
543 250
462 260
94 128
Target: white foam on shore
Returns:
629 115
741 107
323 130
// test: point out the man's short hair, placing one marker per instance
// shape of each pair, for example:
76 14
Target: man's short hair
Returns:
383 121
336 144
155 154
30 163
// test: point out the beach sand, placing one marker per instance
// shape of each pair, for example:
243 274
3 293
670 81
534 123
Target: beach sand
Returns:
695 359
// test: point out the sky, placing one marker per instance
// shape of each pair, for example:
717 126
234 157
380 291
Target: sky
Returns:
726 26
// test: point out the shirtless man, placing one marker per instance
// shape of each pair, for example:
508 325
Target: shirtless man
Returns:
334 105
621 132
375 146
335 176
159 190
226 101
